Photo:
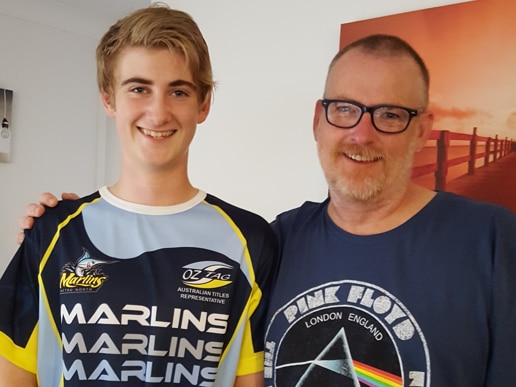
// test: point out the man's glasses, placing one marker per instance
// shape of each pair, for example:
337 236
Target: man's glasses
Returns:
385 118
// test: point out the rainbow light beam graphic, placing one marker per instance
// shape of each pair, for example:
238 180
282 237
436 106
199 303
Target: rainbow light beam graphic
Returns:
375 377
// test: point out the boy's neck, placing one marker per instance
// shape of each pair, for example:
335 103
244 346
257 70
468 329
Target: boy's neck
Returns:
154 189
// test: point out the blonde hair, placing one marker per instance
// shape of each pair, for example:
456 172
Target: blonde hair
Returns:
156 26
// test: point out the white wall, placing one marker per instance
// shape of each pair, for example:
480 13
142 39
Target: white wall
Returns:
255 150
270 58
56 116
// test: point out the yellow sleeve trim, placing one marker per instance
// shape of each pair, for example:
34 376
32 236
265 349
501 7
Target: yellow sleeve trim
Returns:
250 361
23 357
251 365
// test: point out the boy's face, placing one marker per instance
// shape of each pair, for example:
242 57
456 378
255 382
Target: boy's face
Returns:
156 107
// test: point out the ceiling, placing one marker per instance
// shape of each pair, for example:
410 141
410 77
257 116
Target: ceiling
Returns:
85 17
110 8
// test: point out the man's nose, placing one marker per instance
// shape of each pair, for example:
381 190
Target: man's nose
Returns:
364 131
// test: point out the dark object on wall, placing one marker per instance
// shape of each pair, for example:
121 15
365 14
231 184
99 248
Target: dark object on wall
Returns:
6 98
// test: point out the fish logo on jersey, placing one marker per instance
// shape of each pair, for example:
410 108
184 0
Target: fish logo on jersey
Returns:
207 274
85 274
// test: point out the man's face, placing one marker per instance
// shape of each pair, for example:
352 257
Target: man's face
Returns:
361 163
156 107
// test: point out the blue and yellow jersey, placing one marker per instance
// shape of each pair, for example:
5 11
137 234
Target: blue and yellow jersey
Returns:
105 291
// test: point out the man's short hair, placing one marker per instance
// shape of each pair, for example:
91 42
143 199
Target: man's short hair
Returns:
385 45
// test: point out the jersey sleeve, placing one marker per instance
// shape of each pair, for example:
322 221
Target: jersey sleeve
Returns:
264 264
262 258
20 290
19 306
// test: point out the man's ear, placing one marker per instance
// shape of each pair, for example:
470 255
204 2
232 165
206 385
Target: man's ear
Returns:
318 111
107 103
426 123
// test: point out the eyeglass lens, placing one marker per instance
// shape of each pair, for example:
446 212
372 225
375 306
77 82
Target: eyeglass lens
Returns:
385 118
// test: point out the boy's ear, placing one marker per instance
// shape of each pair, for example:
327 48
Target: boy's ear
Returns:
108 106
204 110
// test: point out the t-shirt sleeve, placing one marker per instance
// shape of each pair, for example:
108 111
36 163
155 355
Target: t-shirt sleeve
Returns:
500 369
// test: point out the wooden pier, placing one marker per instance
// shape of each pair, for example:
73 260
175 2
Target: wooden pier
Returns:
489 167
495 183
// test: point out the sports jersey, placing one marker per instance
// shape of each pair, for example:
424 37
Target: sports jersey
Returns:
429 303
105 292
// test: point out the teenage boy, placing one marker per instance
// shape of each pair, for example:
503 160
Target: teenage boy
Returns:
150 281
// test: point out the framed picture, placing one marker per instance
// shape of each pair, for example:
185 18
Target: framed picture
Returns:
6 100
470 51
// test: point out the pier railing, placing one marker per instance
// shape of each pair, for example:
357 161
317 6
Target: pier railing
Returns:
493 149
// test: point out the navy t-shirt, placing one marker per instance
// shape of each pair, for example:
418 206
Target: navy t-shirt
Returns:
429 303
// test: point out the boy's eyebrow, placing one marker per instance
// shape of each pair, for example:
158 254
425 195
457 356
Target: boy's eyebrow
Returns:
143 81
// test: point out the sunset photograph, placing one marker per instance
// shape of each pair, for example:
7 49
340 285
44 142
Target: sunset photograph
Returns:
470 51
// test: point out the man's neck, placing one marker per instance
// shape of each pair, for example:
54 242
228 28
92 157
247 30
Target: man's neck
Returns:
380 214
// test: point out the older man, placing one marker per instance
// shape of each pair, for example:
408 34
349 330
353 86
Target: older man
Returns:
385 282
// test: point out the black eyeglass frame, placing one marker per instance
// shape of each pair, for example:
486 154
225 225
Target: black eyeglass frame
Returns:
369 109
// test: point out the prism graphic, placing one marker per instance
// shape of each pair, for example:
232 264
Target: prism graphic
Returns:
333 365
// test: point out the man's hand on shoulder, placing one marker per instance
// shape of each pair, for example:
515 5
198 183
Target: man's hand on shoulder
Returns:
36 210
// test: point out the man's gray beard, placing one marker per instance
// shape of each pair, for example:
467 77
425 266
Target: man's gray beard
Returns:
366 190
370 188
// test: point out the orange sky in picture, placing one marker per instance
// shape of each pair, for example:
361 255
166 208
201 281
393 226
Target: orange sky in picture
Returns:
470 50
